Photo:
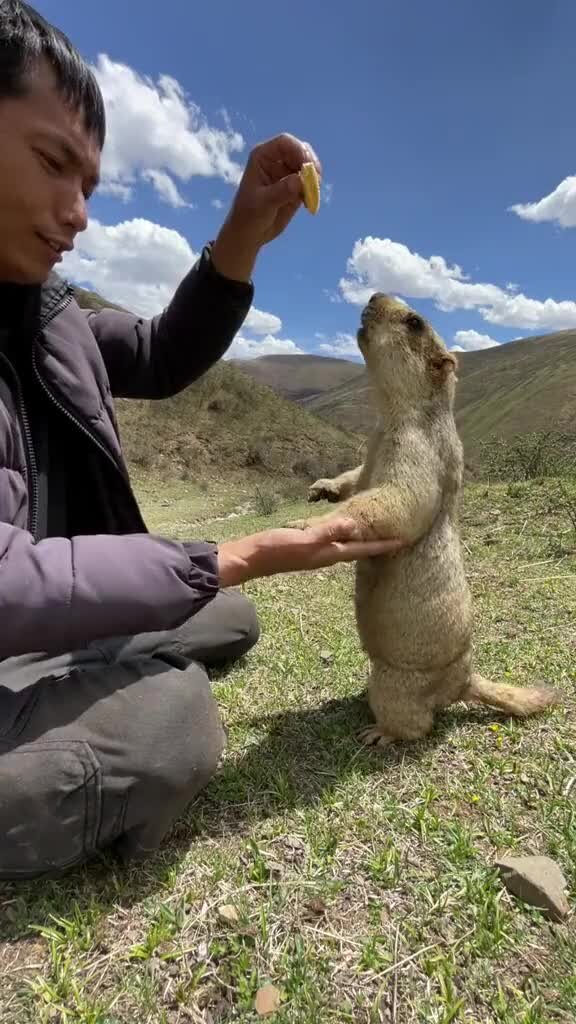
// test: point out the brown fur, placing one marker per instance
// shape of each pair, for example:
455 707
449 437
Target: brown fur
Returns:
413 610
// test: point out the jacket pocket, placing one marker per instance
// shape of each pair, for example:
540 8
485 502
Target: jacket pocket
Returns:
50 804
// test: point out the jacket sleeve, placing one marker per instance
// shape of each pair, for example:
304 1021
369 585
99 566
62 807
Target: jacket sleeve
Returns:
157 358
58 595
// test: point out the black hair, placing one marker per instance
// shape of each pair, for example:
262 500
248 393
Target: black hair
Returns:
26 40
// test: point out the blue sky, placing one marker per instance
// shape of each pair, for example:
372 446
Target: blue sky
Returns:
431 120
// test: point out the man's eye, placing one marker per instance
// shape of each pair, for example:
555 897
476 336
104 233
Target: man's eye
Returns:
52 163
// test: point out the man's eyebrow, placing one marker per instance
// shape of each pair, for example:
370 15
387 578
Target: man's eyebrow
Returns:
70 153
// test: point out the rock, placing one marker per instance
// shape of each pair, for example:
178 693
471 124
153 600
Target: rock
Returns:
326 657
228 913
267 1000
538 881
315 907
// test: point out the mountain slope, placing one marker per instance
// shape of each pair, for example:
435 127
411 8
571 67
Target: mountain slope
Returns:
226 423
300 377
523 386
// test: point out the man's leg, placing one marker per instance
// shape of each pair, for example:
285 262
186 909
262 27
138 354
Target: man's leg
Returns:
225 629
106 747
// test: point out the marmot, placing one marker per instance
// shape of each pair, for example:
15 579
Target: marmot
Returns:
413 609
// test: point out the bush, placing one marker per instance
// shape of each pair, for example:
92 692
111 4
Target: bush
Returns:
528 456
265 502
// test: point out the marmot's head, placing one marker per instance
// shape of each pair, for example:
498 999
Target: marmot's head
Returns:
403 354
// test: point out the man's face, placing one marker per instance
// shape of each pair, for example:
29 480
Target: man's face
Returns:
49 166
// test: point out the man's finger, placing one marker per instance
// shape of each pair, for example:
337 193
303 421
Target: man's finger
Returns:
287 190
354 550
337 529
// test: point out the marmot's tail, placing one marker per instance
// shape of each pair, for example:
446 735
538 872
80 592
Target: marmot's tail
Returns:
519 701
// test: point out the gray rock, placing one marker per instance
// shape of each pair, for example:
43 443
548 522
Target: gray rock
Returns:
538 881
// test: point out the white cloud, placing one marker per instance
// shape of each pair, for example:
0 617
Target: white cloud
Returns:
114 188
137 264
218 204
250 348
342 346
470 341
259 322
559 206
327 193
165 188
154 127
379 264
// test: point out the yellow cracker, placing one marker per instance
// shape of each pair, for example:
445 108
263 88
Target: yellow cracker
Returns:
310 187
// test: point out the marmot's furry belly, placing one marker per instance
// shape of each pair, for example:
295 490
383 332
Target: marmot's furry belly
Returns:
415 609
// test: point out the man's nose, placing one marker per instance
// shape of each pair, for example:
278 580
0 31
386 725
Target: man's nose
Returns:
77 214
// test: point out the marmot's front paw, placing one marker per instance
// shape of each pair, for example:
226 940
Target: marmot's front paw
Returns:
323 490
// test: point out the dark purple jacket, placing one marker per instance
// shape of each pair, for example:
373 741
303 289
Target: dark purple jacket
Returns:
59 594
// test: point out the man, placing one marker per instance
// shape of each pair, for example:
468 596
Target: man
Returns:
107 723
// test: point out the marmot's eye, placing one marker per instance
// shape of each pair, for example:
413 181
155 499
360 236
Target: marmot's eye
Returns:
414 321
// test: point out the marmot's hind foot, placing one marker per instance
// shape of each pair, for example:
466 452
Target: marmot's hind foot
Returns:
373 736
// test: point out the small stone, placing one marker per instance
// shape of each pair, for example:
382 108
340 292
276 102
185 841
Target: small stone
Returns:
316 907
538 881
327 657
228 913
294 848
267 1000
275 868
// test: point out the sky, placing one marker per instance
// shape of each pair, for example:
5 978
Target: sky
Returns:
445 132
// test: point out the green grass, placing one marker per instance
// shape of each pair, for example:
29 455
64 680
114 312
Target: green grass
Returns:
362 881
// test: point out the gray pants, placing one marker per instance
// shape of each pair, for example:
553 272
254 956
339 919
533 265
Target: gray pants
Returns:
105 747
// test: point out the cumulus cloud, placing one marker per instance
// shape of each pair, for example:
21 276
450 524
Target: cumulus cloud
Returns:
114 188
258 322
342 346
558 206
156 131
251 348
379 264
470 341
138 264
165 188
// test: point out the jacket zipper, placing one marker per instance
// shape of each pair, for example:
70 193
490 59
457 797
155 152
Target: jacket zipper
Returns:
65 301
31 456
31 466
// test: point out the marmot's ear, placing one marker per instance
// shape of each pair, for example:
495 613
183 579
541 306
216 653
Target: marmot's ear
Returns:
445 364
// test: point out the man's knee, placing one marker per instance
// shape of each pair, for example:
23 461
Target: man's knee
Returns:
224 630
247 623
189 738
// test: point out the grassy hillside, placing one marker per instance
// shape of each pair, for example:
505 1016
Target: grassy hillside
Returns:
227 423
301 377
527 385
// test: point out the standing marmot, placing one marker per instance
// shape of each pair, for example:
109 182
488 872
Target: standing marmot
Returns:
413 610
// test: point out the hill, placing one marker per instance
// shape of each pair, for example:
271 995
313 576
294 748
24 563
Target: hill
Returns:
226 423
301 377
527 385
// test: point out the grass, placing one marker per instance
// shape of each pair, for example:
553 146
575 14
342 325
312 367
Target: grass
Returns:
362 882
